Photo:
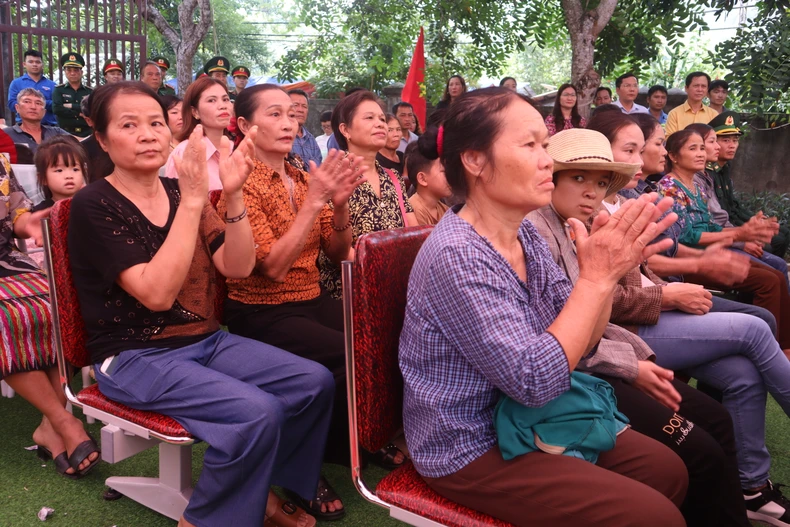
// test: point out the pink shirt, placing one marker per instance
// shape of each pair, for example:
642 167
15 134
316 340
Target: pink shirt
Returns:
212 160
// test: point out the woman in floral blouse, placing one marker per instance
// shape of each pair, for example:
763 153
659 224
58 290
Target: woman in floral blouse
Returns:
27 358
380 203
565 114
686 157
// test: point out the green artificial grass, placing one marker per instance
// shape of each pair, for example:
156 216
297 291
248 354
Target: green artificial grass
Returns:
26 486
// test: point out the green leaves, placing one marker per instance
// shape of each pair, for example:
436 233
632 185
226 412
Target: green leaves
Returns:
759 60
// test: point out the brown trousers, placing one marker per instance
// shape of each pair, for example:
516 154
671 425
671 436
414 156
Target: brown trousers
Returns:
639 483
769 290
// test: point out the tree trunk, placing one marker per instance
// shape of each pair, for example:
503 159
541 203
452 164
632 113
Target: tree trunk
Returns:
192 34
584 27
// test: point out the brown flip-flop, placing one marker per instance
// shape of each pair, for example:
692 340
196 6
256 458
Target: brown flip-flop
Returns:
287 514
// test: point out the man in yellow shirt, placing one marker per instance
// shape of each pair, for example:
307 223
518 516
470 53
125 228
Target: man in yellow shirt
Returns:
692 111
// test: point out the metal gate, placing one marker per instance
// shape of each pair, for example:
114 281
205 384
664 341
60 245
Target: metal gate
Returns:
97 29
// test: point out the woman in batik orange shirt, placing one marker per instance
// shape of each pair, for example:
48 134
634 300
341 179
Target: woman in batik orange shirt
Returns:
281 302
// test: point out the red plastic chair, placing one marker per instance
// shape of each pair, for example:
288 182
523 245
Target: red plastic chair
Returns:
126 431
374 304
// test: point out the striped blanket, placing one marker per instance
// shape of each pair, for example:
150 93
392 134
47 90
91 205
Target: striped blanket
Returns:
25 324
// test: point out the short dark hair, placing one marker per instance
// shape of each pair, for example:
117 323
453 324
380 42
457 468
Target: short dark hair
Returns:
326 116
719 83
103 96
32 53
297 91
619 81
600 89
60 147
170 101
646 122
345 111
656 87
701 128
415 161
693 75
503 81
606 108
397 106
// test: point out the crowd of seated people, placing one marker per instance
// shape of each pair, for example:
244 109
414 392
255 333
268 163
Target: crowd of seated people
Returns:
559 293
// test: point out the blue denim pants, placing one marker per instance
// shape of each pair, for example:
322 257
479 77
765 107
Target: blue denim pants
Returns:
738 355
263 412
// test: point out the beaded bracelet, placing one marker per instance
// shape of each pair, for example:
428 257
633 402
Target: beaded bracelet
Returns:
236 219
343 228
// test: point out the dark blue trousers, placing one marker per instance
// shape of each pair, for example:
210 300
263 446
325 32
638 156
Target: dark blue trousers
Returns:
264 413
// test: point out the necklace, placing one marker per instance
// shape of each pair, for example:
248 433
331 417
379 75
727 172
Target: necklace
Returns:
689 186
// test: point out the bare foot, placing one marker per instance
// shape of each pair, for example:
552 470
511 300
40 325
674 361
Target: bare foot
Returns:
182 522
46 436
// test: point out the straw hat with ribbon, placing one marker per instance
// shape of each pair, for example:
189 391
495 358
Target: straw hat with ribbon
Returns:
582 149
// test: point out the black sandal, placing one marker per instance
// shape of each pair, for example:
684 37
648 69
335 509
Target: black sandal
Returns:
385 458
81 453
324 494
61 461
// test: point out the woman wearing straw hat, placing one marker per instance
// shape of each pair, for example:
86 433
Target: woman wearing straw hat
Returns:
689 422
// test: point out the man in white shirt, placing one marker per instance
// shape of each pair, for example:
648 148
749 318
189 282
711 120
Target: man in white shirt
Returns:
404 112
326 126
627 88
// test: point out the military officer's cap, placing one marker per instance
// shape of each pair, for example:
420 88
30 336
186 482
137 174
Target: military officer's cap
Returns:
112 65
217 63
72 60
727 123
162 62
241 71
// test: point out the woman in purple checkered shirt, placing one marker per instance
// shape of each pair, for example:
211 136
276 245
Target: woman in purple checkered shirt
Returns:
489 314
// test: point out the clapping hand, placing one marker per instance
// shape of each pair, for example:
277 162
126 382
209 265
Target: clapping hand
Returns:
192 170
236 167
620 242
336 178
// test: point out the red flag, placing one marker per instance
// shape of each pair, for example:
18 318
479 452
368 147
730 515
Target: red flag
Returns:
414 90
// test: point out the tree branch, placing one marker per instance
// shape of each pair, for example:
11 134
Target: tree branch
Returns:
602 15
158 20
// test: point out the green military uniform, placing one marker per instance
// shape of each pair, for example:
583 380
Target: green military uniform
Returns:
238 71
728 123
69 117
164 65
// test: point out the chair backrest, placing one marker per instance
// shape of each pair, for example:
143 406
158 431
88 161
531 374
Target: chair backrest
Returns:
380 278
65 303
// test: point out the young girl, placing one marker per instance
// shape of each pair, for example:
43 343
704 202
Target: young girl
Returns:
61 169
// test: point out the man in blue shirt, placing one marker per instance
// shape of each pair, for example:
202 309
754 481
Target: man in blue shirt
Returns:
34 78
304 142
657 100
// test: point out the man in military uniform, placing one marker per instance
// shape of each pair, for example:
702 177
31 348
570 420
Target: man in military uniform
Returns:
727 126
113 71
241 75
218 68
164 65
66 98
